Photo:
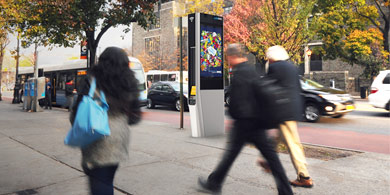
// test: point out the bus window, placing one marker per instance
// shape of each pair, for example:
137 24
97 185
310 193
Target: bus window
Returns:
156 78
61 82
164 77
79 79
149 78
172 77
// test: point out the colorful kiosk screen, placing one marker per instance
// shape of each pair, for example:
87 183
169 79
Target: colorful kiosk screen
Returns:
211 63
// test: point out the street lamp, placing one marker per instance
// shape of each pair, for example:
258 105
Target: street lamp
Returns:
309 52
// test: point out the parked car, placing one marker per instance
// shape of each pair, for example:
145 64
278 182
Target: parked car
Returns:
167 93
324 101
319 101
380 91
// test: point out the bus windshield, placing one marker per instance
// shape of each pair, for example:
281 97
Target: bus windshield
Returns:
141 79
139 74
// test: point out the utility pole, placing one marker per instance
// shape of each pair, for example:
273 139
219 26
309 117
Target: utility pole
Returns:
35 106
181 74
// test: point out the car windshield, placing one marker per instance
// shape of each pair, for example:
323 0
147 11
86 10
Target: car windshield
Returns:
176 87
309 84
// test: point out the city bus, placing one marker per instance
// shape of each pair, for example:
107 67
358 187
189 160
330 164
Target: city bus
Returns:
77 70
153 76
138 69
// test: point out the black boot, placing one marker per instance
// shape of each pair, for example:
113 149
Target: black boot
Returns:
207 187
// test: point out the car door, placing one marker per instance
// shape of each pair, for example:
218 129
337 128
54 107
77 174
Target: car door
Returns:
385 89
168 96
154 93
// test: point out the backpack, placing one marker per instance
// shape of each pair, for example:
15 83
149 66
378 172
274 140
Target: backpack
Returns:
271 100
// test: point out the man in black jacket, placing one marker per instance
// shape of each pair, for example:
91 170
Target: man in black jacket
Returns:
286 75
246 128
69 93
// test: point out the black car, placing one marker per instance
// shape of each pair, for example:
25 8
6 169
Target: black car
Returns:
324 101
166 93
319 101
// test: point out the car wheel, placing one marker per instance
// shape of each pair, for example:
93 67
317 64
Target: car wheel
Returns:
312 114
177 105
338 116
227 100
150 104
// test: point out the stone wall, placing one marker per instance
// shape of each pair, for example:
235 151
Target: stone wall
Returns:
346 76
354 71
340 78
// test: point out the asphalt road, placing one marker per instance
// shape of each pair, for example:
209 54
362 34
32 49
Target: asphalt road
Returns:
365 129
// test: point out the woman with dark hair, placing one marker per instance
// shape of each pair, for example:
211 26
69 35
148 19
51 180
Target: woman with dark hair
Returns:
113 76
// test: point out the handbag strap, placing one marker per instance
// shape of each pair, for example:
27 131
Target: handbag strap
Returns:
92 88
93 92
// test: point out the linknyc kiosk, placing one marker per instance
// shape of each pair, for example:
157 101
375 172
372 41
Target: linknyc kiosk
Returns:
205 73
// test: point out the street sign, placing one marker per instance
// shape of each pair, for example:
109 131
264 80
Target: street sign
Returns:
84 50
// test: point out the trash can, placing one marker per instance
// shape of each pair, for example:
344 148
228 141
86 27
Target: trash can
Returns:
363 92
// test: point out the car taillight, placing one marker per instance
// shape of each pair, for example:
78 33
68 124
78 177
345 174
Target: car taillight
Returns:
373 90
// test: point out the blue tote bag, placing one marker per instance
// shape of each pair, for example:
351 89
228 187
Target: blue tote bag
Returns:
91 121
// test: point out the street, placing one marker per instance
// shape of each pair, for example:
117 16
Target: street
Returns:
365 129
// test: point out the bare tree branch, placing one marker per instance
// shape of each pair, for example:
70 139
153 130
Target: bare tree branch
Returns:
104 29
274 9
380 9
371 19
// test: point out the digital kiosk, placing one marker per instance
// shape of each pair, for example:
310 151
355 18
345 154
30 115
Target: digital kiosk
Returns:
205 75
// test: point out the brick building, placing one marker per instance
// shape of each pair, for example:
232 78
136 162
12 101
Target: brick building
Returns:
161 41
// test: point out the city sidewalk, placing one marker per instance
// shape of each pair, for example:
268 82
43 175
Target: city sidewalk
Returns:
163 160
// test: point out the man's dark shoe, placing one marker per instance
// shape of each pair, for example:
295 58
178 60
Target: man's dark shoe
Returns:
302 182
207 187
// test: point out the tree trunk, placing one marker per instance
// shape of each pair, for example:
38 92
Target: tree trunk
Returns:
16 99
386 36
92 48
1 69
92 56
4 41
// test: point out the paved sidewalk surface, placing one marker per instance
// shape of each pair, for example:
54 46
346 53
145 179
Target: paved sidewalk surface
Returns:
163 160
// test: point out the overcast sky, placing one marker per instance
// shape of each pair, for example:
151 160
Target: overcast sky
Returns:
113 37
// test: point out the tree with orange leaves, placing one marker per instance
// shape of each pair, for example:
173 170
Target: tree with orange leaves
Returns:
260 24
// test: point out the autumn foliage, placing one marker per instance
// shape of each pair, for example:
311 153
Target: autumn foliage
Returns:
352 31
260 24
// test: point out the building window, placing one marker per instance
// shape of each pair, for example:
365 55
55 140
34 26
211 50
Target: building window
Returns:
227 10
157 24
152 49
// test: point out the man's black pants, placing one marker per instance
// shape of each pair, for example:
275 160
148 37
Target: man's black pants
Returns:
48 100
246 131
